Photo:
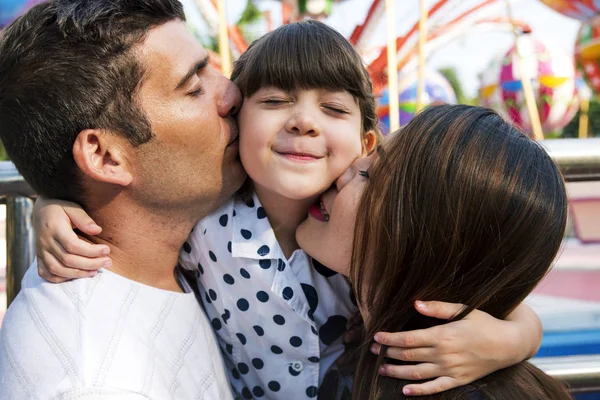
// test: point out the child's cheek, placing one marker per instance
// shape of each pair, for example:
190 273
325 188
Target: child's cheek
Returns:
344 154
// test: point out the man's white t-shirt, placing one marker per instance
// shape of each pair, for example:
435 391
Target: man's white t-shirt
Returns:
107 337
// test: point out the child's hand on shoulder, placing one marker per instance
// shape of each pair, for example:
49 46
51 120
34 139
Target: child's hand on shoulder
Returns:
460 352
61 254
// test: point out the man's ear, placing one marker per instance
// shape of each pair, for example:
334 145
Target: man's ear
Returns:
101 156
369 142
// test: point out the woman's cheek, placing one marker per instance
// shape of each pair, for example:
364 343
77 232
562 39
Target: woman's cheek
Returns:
344 229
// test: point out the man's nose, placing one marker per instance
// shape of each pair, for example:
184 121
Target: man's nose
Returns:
230 101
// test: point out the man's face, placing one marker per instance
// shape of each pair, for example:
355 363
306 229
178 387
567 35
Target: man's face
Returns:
192 160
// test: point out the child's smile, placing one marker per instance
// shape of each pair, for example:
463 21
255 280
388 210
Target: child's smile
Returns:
296 143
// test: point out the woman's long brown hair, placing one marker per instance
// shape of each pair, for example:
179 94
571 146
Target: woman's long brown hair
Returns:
462 208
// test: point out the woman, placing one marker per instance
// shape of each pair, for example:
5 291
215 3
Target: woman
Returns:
459 207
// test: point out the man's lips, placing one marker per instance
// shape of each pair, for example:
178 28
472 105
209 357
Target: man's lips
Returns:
233 132
235 140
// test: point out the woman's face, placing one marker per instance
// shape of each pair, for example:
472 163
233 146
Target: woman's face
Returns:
327 234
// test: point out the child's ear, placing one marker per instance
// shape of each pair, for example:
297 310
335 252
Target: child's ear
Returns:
369 142
101 156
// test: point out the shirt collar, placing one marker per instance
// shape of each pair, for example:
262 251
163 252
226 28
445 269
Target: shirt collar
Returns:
252 236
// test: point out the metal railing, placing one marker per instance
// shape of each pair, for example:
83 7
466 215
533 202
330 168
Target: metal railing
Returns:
582 373
20 245
579 159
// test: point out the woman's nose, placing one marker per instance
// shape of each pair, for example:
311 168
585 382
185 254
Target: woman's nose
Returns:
345 177
359 164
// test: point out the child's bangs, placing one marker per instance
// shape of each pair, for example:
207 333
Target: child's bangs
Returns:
309 56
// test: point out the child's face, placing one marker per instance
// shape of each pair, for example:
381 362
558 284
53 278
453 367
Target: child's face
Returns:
297 143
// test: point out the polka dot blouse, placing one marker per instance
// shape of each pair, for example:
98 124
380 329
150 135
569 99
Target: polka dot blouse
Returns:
279 322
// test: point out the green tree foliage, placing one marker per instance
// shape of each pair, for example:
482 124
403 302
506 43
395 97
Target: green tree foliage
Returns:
211 43
572 129
251 14
452 77
249 22
3 155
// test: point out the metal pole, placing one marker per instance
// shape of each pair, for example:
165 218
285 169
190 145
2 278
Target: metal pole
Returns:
20 244
390 10
530 102
224 40
584 120
579 159
421 51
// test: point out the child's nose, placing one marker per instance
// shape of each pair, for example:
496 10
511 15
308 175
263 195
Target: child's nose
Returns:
302 124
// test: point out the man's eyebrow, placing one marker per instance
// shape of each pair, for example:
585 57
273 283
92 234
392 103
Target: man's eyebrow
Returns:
193 71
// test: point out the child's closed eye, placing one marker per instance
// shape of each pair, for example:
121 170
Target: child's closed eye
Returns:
275 101
336 109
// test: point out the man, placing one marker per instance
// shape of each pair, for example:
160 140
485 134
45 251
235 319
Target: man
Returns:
112 103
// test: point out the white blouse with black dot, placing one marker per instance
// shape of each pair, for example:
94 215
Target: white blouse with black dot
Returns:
279 322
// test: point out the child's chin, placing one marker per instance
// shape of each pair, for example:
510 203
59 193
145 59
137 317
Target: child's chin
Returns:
298 191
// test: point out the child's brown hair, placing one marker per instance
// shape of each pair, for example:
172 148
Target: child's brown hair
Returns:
309 55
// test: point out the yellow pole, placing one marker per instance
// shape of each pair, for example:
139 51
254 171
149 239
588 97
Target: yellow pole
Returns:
584 117
224 40
421 51
391 66
534 116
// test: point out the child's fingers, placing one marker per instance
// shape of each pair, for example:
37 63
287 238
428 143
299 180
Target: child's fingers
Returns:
419 354
418 338
82 221
439 309
70 260
56 272
73 244
435 386
46 274
417 372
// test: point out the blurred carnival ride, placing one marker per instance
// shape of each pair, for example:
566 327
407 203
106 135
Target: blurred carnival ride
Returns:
437 90
582 10
552 74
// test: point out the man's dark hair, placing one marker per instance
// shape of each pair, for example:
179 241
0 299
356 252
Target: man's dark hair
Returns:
67 66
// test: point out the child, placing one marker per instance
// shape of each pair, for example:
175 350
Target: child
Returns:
279 316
